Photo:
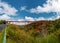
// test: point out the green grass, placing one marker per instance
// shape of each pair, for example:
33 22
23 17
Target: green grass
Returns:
17 35
1 36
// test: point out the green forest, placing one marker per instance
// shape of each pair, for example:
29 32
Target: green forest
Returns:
37 32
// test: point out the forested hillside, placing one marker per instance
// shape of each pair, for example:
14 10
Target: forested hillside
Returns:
36 32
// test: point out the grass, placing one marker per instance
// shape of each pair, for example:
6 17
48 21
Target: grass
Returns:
1 36
17 35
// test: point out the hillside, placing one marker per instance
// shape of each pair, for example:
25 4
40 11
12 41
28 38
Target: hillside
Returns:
44 25
36 32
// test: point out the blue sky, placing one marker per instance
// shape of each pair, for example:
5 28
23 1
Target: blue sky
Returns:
29 9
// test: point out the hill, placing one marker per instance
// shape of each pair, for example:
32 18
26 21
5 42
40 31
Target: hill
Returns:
36 32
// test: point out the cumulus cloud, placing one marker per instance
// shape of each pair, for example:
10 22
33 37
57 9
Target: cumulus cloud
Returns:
27 18
4 17
49 6
23 8
38 19
7 10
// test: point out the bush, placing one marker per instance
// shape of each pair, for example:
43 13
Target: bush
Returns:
2 22
17 35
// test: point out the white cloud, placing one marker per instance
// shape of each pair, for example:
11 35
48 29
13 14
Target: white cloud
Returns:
40 18
49 6
23 8
4 17
29 18
21 20
7 10
37 19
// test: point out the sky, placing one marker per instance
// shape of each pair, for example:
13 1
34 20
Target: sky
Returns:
29 10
